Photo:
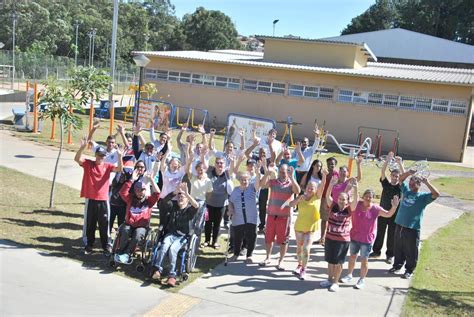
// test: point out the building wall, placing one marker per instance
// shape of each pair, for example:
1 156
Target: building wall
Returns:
422 134
309 53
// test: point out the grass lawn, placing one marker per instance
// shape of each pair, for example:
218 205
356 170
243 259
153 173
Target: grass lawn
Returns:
459 187
370 177
442 284
26 220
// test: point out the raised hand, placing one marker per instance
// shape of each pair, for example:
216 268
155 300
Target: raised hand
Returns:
334 180
135 175
212 131
184 126
120 128
316 129
398 159
298 145
291 171
241 131
359 159
390 156
84 142
353 181
96 124
201 129
325 172
137 128
395 200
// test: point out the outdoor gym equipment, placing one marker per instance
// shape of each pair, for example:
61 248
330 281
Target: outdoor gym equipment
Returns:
288 134
194 116
320 148
378 134
353 150
421 168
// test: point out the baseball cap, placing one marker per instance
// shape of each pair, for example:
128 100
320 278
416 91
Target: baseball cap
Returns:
139 185
101 151
251 161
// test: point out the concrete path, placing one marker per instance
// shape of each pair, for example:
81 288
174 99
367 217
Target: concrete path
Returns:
232 290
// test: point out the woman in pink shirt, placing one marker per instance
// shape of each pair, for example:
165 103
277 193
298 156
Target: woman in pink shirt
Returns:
343 183
364 227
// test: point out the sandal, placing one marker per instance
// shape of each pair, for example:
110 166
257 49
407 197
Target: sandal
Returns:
279 267
264 263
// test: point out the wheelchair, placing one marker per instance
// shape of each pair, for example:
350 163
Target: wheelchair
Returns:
141 253
187 256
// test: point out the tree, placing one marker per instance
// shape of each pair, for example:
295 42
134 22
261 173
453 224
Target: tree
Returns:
379 16
63 99
210 29
449 19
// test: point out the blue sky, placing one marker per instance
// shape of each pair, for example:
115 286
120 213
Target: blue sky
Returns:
305 18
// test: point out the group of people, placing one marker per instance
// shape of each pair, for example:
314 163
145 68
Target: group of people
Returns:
126 182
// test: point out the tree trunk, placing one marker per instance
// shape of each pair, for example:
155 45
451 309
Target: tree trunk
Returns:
61 132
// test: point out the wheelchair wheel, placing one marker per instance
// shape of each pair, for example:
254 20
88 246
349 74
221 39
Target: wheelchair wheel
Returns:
112 264
185 276
192 254
139 268
149 246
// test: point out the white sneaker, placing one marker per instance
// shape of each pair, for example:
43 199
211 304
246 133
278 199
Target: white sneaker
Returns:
346 279
360 284
325 284
334 287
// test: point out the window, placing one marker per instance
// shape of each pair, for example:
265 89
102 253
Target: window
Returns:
233 83
406 102
250 84
359 97
264 86
390 100
162 74
197 79
173 76
150 73
458 107
423 104
295 90
375 98
440 105
278 88
311 92
184 77
326 93
345 95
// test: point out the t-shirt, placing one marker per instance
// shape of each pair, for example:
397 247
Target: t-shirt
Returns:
411 208
219 154
339 224
196 159
293 163
280 196
364 223
276 146
338 189
308 215
149 161
220 183
388 191
199 187
95 181
171 181
111 157
308 155
245 207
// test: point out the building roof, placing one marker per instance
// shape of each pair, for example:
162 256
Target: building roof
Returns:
362 45
441 75
404 44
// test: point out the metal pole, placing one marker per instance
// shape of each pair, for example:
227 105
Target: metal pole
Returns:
13 44
76 25
140 83
94 31
112 65
89 34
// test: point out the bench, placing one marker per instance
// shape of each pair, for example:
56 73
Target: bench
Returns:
18 115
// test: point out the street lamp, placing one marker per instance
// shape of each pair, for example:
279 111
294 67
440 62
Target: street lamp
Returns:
141 61
274 22
91 35
76 25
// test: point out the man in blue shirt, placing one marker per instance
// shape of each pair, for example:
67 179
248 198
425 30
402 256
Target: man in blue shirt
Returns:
408 222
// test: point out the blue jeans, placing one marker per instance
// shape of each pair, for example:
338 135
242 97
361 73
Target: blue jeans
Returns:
173 243
364 249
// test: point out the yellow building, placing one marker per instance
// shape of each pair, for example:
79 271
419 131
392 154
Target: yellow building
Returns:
339 82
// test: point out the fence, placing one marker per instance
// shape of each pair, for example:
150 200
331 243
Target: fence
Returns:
37 68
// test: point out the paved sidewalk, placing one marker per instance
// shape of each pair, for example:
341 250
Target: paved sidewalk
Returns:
233 290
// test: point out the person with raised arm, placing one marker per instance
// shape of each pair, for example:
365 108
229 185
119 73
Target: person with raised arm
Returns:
172 173
244 214
306 222
364 225
337 235
201 185
282 190
307 152
389 190
160 144
95 190
408 221
229 147
181 208
138 214
183 146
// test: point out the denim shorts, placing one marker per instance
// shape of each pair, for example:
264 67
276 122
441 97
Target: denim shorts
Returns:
364 248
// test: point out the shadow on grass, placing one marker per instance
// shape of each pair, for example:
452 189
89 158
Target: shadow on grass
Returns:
55 212
456 303
34 223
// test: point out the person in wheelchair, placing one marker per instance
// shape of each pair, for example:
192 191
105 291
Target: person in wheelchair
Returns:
179 214
137 218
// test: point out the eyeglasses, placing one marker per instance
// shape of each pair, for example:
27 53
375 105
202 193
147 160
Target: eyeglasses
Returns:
139 166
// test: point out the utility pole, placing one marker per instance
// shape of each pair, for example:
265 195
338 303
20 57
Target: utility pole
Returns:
14 16
76 25
274 22
112 65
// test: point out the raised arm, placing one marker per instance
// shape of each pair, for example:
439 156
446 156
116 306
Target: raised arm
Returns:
355 194
203 134
279 157
359 168
399 161
184 190
296 201
328 192
258 176
294 184
163 165
255 143
266 177
389 213
319 192
385 164
434 191
299 153
121 131
405 175
179 142
242 139
78 157
212 132
152 131
119 167
92 131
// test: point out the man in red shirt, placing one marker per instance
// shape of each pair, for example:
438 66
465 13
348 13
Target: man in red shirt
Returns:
95 189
